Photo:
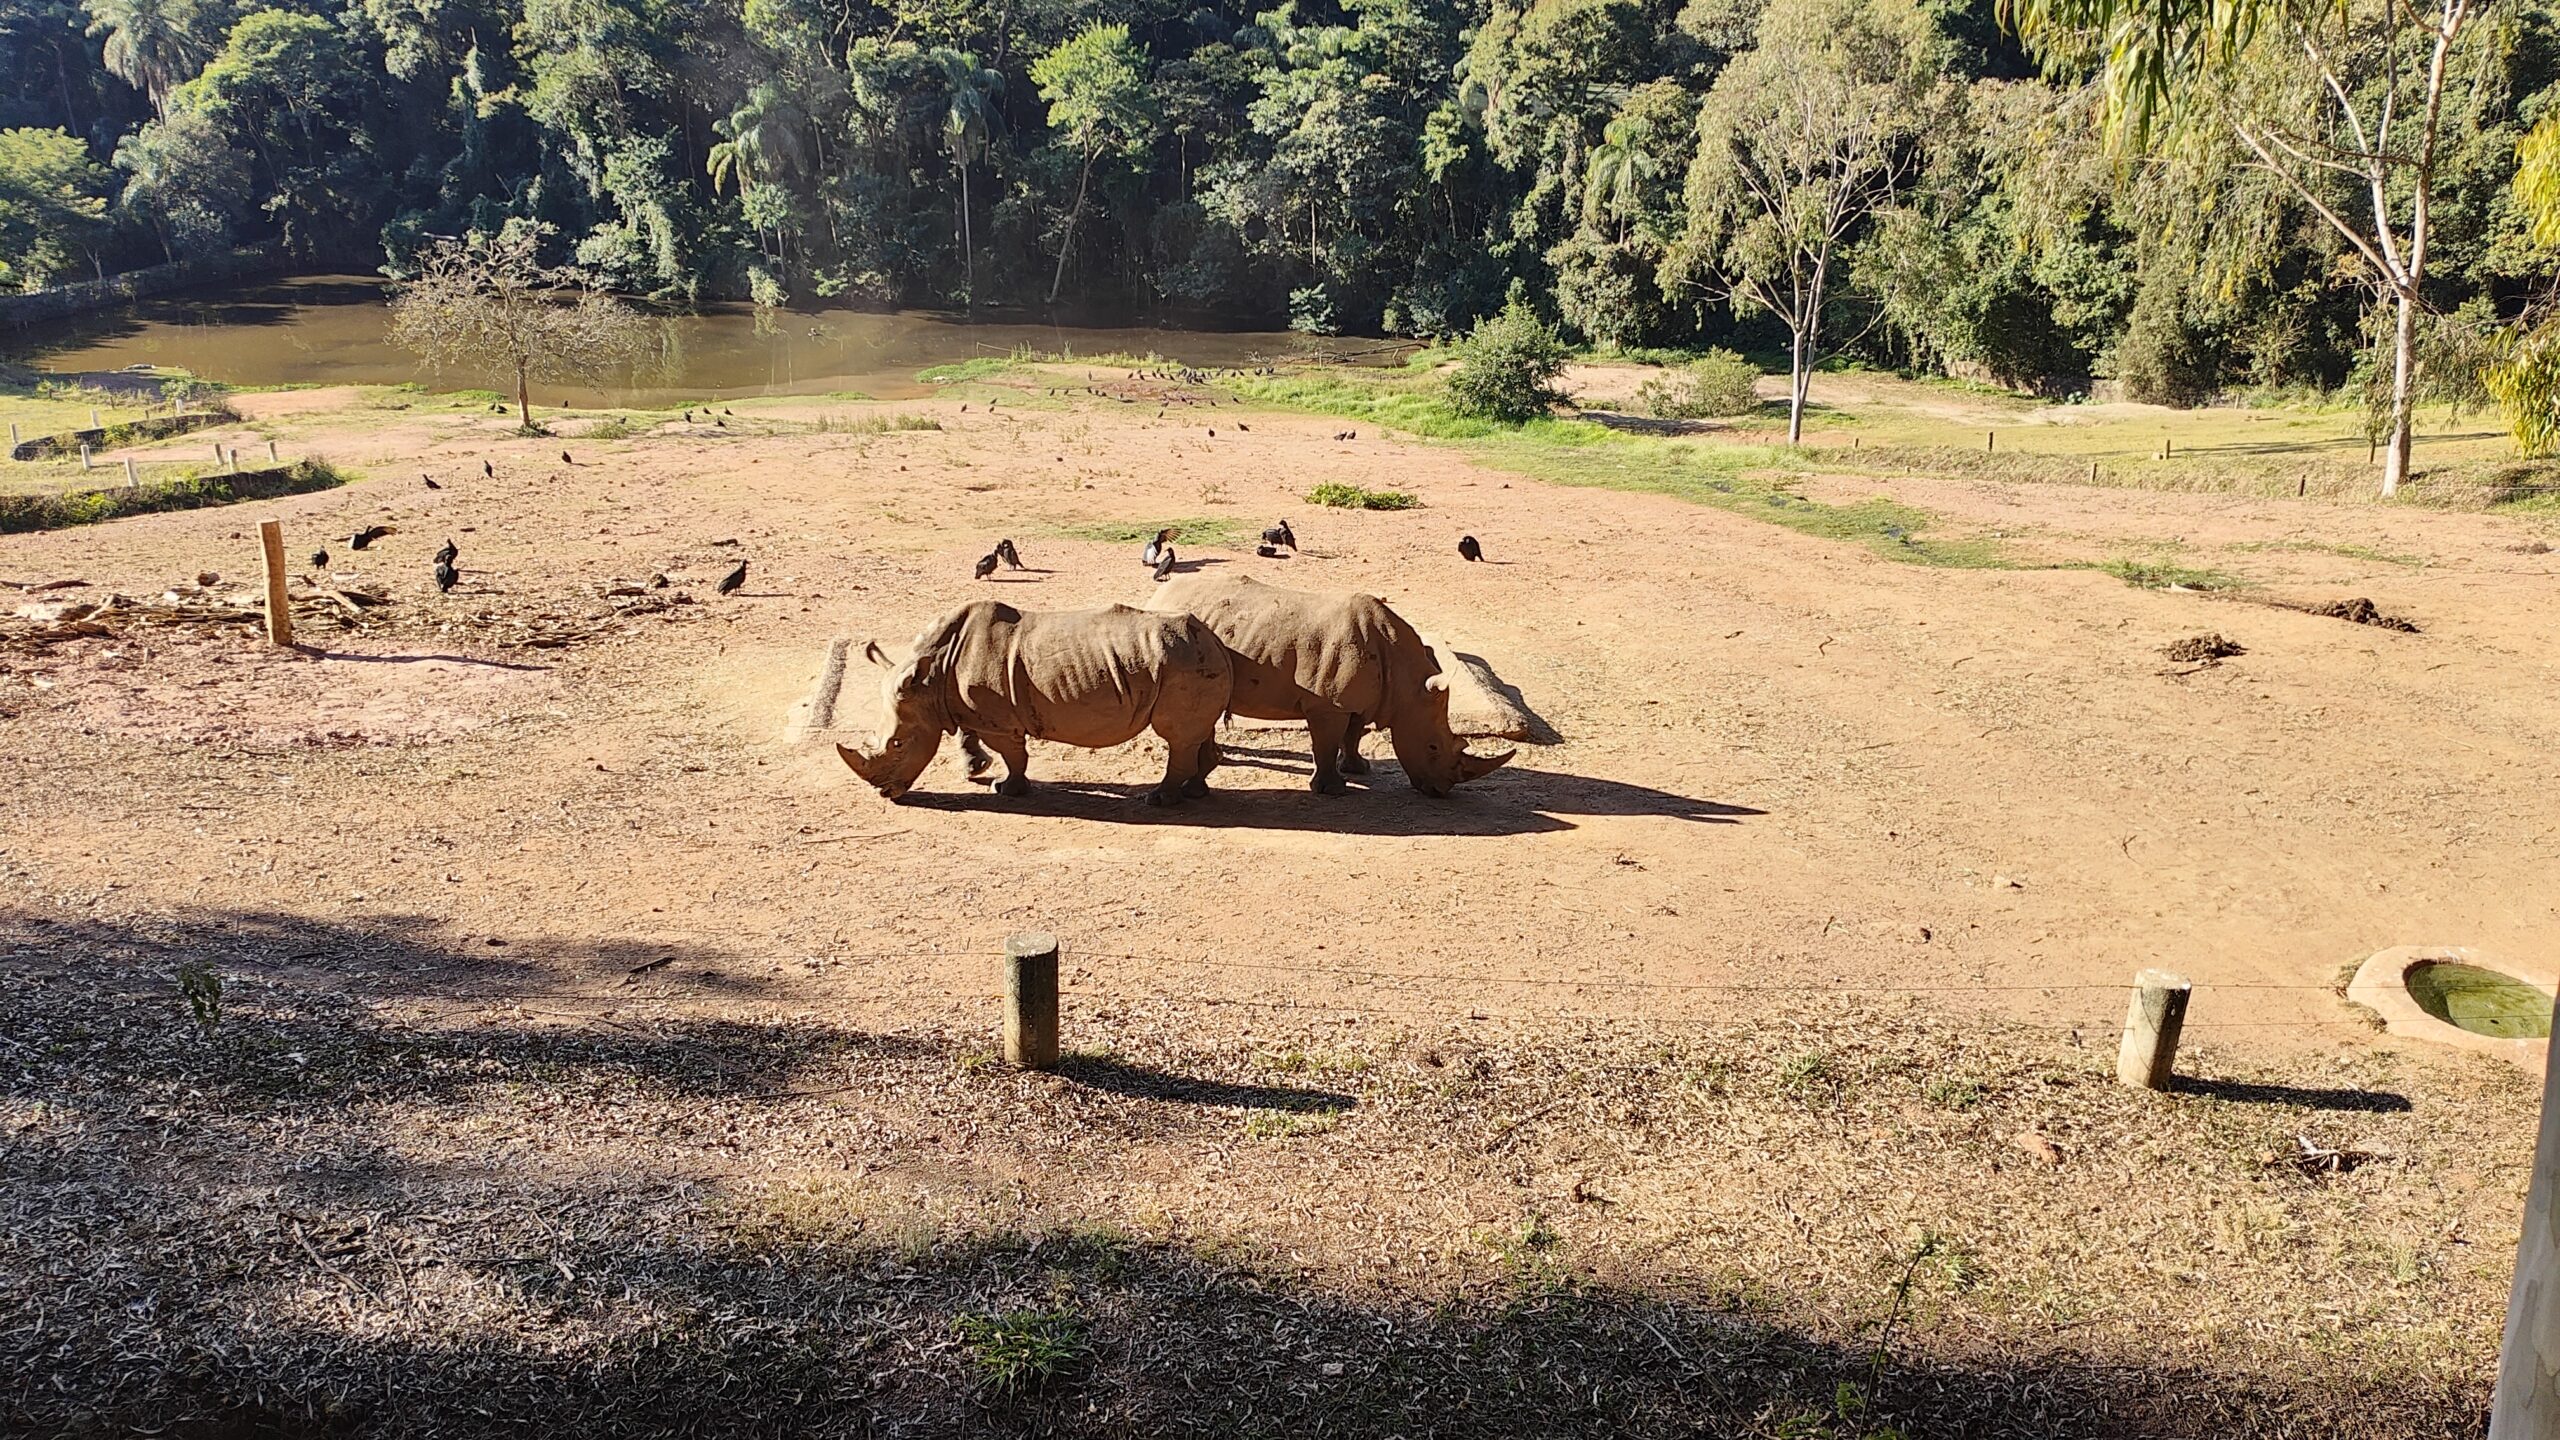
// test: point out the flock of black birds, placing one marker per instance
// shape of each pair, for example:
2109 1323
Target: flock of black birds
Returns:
1157 554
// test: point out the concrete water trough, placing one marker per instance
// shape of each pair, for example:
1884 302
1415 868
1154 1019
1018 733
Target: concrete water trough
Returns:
2460 996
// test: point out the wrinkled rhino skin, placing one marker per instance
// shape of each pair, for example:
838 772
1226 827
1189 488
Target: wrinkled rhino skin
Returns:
1340 661
1092 678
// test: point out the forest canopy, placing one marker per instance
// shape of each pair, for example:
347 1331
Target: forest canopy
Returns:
1399 166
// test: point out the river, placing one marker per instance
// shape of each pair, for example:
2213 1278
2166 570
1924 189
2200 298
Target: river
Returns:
329 330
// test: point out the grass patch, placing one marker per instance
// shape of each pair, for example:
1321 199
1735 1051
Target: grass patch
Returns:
961 372
872 424
1209 530
1287 1124
1021 1351
2323 547
1352 497
2160 575
1746 479
20 514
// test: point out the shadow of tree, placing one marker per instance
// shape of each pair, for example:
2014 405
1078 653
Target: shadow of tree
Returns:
2243 1092
1139 1082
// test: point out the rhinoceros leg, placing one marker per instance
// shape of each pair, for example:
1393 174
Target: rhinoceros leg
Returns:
1016 754
1211 757
1189 755
1353 762
975 751
1326 729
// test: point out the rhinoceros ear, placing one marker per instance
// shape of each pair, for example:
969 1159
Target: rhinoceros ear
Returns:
1437 684
1476 767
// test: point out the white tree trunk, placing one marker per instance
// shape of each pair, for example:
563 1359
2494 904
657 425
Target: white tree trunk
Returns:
1795 388
2404 384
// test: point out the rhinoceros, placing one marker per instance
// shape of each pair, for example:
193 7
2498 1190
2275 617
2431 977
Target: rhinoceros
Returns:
1338 661
1093 678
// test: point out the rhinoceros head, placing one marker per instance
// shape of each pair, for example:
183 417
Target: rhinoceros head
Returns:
911 709
1434 757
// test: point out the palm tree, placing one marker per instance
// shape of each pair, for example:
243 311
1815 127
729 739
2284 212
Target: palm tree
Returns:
761 144
152 45
968 120
1613 179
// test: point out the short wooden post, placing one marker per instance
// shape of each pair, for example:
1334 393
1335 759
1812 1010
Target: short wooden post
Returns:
1990 441
2168 447
271 452
231 461
1031 1000
84 457
2093 472
279 609
93 419
217 452
132 477
14 441
2152 1021
2526 1404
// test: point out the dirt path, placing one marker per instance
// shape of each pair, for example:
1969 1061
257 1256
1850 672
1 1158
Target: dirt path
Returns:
1785 762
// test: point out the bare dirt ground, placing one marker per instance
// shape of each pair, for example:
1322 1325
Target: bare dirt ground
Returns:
571 1009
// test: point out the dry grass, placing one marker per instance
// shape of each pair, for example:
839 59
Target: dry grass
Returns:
403 1189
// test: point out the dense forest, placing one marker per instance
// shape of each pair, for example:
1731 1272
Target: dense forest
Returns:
1400 166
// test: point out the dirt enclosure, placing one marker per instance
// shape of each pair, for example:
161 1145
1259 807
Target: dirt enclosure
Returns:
589 1049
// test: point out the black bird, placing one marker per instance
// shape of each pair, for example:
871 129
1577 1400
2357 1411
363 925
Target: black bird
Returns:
1157 547
688 417
449 553
723 424
728 412
1240 425
1267 552
1164 563
730 582
489 469
1468 547
1213 432
319 559
986 567
446 575
1280 534
431 482
367 536
565 460
1010 556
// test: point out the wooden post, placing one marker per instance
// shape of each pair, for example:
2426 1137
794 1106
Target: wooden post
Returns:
231 461
93 419
2526 1404
14 441
271 452
84 457
1031 1000
2168 447
279 609
217 452
132 477
2093 472
1990 441
2149 1054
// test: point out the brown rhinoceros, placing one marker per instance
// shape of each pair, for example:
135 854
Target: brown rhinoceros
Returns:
1338 661
1093 678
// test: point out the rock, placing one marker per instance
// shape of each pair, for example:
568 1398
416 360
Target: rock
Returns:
2037 1148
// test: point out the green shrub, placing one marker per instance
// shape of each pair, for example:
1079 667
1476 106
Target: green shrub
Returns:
1507 367
20 514
1351 497
1023 1350
1716 384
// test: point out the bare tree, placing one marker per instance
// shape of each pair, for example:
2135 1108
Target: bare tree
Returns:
2348 103
1801 141
487 301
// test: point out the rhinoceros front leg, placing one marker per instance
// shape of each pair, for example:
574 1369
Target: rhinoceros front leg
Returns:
1353 762
1326 731
974 751
1015 751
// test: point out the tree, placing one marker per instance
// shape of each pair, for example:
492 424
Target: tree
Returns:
489 298
2343 101
1096 88
968 121
1507 367
188 182
51 198
1800 144
152 45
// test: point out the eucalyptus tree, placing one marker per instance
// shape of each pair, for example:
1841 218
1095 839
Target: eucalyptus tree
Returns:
1801 143
2354 106
1099 106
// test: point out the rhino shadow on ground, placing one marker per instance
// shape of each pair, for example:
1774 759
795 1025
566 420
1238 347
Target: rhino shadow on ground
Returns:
1511 801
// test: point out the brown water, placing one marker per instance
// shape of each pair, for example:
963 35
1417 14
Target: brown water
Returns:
329 330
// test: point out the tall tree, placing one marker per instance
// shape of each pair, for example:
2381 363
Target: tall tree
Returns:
1099 105
1800 143
2349 103
51 198
968 122
152 45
